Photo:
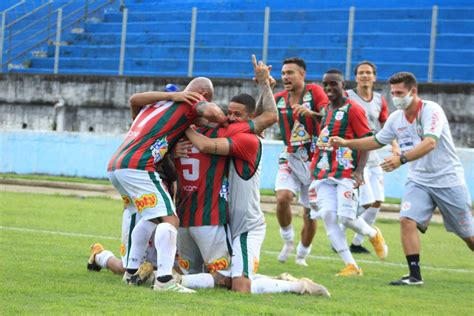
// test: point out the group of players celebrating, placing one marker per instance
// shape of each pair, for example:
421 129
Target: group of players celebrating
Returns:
206 229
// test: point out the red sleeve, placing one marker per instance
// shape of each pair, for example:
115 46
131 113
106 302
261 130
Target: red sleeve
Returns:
244 146
235 128
383 111
358 121
320 99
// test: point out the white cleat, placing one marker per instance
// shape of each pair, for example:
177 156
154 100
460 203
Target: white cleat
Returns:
286 251
313 288
171 286
301 261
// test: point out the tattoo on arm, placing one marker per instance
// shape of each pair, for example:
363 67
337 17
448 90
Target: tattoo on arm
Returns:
259 107
200 108
215 148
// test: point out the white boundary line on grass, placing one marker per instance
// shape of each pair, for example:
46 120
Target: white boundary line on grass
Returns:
269 252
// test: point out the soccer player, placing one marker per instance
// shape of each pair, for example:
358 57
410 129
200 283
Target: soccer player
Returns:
371 193
337 170
435 177
298 107
132 172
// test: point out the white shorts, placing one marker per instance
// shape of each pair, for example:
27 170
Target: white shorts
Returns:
373 189
246 253
129 221
204 249
294 175
144 192
333 195
454 203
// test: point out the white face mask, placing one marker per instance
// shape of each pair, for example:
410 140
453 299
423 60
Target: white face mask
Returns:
402 103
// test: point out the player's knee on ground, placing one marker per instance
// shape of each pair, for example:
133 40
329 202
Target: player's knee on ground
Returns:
241 284
284 196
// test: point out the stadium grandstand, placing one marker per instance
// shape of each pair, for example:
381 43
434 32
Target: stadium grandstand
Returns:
184 38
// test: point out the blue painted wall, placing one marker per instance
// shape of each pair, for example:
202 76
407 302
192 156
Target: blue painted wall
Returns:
86 155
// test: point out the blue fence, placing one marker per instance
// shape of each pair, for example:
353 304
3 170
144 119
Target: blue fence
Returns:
86 155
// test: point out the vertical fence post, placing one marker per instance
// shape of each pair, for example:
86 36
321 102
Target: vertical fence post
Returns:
86 10
192 40
434 26
2 36
350 34
49 21
58 40
266 33
122 41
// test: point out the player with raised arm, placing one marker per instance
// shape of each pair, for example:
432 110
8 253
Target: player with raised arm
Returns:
298 109
337 170
131 169
435 178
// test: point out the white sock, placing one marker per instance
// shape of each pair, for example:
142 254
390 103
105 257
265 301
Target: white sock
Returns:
287 233
347 257
358 225
140 236
370 215
267 285
302 251
165 243
198 281
101 258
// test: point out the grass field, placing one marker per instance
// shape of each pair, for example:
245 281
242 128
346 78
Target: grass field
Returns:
45 243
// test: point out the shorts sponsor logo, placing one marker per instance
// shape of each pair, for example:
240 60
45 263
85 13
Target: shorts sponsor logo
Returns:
347 194
255 265
145 201
406 206
218 264
126 200
183 263
123 250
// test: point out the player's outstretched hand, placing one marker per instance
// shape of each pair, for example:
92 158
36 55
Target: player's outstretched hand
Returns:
261 71
391 163
300 109
337 141
188 97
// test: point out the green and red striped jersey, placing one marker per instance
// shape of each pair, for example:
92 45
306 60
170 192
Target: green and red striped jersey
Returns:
298 130
203 185
156 128
348 122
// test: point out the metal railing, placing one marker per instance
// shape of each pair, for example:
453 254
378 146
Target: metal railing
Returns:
54 23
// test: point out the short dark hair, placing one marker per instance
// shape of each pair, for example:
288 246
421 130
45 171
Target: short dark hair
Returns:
365 62
246 100
407 78
295 60
334 71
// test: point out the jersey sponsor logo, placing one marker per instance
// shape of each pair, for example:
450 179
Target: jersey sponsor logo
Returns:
434 121
307 97
344 157
218 264
145 201
159 149
126 200
189 188
323 139
339 115
299 135
281 103
224 192
323 162
406 206
183 263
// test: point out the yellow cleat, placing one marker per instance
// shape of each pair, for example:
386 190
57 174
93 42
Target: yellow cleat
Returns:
378 242
95 250
350 270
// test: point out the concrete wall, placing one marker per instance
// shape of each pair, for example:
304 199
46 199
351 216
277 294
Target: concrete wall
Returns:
99 104
87 155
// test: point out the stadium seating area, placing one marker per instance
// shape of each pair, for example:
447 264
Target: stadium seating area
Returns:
228 32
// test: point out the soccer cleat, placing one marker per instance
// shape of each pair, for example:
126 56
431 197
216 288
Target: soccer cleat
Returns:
144 275
301 261
407 280
285 276
176 276
350 270
358 249
171 286
379 244
313 288
286 251
95 250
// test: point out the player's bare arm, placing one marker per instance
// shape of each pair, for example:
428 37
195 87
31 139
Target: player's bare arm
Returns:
269 111
213 146
420 150
259 107
366 143
211 112
140 100
358 174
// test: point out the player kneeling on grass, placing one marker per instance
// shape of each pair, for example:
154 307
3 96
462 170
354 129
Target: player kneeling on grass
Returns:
435 177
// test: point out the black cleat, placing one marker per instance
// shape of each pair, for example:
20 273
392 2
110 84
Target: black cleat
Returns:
358 249
407 280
